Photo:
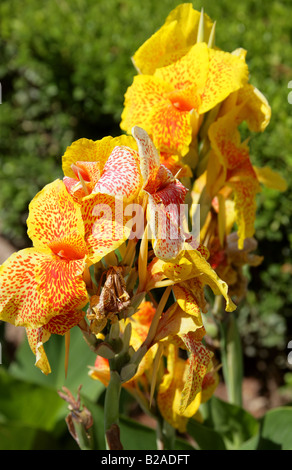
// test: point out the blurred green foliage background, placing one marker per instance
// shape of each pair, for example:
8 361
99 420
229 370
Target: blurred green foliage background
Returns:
65 66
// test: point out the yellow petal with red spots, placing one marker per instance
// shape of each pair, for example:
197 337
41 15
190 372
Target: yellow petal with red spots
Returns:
169 391
209 385
53 215
187 301
188 73
60 283
227 73
256 110
200 362
36 339
86 150
176 323
226 141
245 186
36 286
104 224
192 264
170 128
121 174
145 92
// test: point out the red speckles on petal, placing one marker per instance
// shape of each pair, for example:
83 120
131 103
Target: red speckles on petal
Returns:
121 174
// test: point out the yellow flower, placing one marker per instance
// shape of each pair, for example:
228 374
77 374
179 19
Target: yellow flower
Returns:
103 177
169 103
179 32
42 288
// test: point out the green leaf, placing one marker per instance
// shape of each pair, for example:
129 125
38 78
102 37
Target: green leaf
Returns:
16 438
276 430
233 423
29 404
206 438
80 358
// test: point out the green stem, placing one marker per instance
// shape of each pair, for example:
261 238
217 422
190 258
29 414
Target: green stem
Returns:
84 438
232 359
165 435
111 408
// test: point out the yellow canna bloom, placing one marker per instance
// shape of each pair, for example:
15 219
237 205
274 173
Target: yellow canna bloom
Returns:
42 288
230 171
185 385
192 271
103 176
179 32
179 93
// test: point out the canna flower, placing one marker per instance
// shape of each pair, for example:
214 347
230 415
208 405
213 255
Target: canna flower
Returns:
103 176
230 173
180 387
165 198
189 273
42 288
185 386
180 93
181 30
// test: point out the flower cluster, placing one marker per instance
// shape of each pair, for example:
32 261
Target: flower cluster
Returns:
112 248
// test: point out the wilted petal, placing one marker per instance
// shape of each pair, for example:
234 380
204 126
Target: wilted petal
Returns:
36 339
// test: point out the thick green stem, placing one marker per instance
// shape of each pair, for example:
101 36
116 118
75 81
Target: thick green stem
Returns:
111 411
165 435
232 362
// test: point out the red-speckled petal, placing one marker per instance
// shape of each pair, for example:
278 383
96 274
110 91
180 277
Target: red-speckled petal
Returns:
60 284
149 157
200 362
190 72
121 175
226 141
105 225
36 339
53 214
85 150
35 286
165 217
144 93
227 73
245 187
171 129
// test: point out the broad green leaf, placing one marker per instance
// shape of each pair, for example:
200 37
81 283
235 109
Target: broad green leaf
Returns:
16 438
26 404
276 430
206 438
233 423
80 358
